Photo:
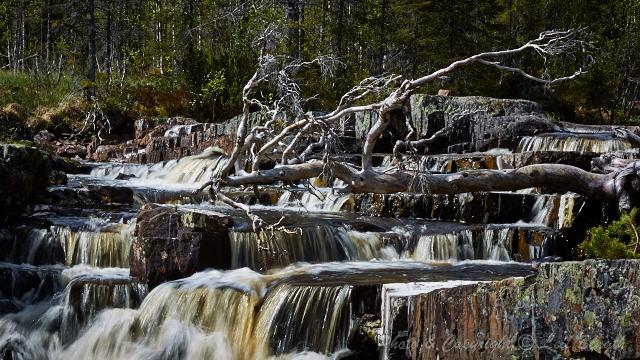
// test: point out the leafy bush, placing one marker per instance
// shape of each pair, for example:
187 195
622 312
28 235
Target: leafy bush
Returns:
618 240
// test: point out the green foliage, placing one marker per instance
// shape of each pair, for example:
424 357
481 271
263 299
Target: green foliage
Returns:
211 89
618 240
34 91
194 57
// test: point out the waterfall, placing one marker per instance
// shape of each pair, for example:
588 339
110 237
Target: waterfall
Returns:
495 244
86 295
43 327
452 247
319 201
208 315
302 318
273 249
329 201
596 144
221 315
189 171
543 210
37 247
22 285
104 245
284 199
97 248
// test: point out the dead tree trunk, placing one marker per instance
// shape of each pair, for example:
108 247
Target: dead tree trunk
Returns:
298 138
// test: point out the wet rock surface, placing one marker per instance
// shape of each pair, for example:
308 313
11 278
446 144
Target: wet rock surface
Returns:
574 309
24 173
21 285
89 196
171 244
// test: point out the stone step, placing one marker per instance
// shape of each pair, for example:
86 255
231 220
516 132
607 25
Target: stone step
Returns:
174 242
566 309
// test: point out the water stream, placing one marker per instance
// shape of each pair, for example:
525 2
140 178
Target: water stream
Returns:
292 292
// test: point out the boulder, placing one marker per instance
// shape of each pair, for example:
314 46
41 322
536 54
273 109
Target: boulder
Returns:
58 177
172 243
476 123
586 309
71 149
24 173
107 152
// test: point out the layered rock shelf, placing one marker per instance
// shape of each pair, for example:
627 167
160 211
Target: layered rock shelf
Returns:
122 256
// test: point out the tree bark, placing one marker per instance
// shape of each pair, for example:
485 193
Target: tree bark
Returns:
109 41
293 15
91 71
622 187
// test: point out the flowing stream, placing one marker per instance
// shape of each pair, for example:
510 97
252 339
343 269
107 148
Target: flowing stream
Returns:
292 292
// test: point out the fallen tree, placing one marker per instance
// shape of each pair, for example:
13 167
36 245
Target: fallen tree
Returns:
302 143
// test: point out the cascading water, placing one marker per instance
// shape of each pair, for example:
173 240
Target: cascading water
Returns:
188 172
86 295
543 209
42 330
102 249
106 245
319 201
300 318
495 245
273 249
579 143
448 247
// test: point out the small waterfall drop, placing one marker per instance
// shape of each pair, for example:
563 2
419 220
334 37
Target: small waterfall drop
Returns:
330 201
86 295
494 244
320 201
303 318
208 315
274 249
104 245
97 248
189 171
543 210
596 144
446 247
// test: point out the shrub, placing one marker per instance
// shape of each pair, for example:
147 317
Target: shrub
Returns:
618 240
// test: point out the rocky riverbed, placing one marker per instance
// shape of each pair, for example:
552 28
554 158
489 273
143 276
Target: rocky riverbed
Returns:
114 256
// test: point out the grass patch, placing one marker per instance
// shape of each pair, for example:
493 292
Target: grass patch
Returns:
35 91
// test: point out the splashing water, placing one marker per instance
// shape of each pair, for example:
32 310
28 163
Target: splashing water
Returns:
187 172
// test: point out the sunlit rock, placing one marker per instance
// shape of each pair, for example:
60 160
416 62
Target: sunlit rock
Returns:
171 244
585 309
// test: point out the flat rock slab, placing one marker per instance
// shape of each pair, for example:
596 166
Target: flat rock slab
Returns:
584 309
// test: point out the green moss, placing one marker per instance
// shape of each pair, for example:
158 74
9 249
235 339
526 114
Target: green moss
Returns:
590 318
620 342
573 298
595 345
